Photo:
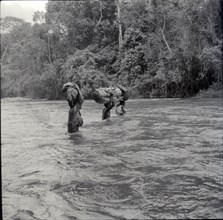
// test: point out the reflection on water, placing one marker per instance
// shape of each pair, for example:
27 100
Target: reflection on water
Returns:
161 160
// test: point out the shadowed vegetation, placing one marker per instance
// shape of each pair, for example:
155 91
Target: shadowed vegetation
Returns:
156 48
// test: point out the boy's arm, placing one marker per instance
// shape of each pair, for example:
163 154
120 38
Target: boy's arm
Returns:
111 104
71 95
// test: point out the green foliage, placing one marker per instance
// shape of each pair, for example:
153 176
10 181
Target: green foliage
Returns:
211 59
83 68
9 23
169 48
214 91
50 80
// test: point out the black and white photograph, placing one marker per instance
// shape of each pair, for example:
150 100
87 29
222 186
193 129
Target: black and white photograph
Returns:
111 109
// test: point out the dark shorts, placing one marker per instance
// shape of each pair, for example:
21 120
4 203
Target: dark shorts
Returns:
74 121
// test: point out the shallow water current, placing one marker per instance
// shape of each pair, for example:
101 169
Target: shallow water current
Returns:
163 159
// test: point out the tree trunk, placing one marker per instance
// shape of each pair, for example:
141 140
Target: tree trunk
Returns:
49 50
3 56
164 38
166 41
119 25
49 54
99 21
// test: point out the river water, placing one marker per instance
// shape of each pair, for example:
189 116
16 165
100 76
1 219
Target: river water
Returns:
163 159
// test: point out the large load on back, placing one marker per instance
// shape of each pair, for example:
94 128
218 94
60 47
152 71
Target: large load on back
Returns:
79 98
102 95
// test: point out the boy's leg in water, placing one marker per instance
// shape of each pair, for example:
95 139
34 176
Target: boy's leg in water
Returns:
72 121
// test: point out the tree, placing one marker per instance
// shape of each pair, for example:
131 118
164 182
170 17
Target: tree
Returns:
157 48
9 22
39 17
119 24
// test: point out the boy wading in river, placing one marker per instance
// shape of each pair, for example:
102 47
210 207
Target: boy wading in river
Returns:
107 107
120 108
75 101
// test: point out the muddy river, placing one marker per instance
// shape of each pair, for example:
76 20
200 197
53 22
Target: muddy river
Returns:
163 159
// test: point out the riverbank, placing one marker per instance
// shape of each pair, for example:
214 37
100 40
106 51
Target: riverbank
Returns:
214 91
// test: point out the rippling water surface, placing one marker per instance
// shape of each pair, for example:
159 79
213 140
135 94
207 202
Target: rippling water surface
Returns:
162 160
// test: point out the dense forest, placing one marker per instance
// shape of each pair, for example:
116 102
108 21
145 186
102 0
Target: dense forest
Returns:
155 48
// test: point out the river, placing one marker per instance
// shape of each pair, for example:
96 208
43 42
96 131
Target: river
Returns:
163 159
